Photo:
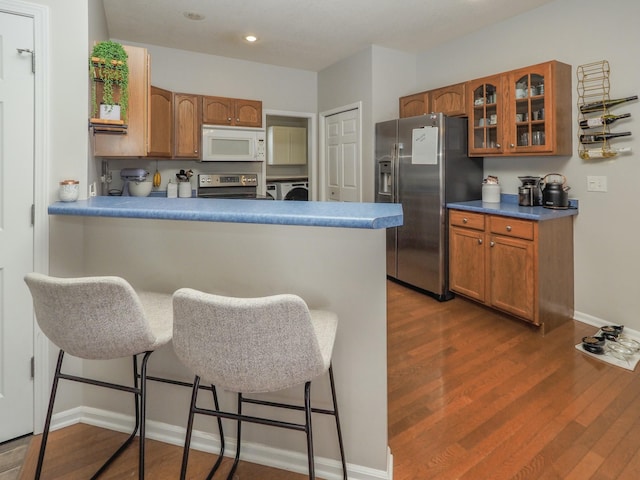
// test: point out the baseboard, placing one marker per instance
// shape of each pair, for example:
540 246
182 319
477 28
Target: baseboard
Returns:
261 454
599 322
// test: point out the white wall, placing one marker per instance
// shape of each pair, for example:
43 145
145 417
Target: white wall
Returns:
607 228
278 88
376 76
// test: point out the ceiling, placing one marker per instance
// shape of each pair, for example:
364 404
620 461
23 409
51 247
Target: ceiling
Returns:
303 34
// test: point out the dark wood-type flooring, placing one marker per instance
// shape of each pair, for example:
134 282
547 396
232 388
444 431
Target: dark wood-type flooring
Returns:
472 395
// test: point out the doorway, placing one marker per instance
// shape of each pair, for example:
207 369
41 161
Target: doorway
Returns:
276 172
342 154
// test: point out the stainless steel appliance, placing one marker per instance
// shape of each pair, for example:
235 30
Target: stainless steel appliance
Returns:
232 144
240 185
422 163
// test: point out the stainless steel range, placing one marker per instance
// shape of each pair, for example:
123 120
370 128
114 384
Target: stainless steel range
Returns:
229 185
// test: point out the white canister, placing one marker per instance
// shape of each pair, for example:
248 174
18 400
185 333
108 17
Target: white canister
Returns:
172 190
491 193
184 189
69 190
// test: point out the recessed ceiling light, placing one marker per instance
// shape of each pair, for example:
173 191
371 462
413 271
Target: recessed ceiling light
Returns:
193 15
251 38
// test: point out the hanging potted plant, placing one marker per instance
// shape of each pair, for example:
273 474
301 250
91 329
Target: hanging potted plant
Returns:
108 65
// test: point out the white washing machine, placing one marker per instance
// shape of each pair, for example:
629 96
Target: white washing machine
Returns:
294 190
273 191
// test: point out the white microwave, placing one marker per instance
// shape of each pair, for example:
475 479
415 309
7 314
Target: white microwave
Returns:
232 144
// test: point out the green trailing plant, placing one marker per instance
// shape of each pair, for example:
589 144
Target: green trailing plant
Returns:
112 69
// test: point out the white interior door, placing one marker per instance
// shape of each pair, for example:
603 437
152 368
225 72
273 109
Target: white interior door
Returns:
16 227
342 147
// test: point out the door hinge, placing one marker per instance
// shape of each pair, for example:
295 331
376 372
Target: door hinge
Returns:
33 367
33 57
33 214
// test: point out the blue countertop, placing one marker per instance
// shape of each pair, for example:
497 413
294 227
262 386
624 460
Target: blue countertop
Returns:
508 207
317 214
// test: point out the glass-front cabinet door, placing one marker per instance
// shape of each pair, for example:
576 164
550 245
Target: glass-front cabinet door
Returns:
486 116
528 111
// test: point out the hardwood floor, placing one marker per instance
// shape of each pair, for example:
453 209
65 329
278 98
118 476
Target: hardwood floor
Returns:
472 395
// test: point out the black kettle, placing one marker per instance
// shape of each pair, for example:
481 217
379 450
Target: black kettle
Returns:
555 194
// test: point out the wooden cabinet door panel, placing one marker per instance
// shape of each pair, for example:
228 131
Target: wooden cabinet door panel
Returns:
485 106
187 125
468 262
161 123
449 100
413 105
512 276
248 113
217 110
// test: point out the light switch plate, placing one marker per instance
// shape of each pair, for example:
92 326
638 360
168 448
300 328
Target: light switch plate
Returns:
596 184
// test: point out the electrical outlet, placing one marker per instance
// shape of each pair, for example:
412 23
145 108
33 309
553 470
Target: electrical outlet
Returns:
596 184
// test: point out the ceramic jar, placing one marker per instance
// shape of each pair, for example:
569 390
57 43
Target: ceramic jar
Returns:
69 190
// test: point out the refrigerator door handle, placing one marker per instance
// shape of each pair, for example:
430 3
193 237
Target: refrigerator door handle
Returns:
395 160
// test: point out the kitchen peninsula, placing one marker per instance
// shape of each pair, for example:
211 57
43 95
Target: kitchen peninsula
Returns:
331 254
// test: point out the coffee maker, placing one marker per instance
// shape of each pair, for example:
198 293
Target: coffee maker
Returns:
530 193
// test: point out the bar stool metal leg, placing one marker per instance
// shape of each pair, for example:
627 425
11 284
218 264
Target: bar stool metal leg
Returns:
337 416
307 415
189 433
47 423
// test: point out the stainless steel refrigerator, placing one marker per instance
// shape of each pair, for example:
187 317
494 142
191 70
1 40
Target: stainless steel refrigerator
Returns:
422 163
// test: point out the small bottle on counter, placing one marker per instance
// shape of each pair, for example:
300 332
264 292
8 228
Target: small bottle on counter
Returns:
172 190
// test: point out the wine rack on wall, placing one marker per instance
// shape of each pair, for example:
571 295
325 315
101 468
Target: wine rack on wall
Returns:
594 118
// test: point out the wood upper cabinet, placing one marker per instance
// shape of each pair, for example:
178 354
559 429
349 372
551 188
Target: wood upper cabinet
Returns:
161 123
450 100
413 105
521 112
521 267
231 111
135 142
187 126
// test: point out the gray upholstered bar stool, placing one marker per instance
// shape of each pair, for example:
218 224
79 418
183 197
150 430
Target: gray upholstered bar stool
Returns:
254 345
101 318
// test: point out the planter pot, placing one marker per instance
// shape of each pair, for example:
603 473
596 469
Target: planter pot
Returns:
110 112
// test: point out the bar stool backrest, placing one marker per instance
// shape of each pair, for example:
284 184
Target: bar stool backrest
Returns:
246 345
91 317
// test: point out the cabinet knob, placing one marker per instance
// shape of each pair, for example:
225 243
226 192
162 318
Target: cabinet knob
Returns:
498 145
237 119
465 220
479 241
508 228
492 243
229 119
511 145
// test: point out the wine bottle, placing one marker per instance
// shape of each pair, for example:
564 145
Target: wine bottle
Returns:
603 120
603 152
601 137
595 106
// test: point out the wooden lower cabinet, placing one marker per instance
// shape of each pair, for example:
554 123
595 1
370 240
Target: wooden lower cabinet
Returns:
521 267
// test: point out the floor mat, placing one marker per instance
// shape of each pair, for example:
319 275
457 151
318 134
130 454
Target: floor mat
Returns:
628 362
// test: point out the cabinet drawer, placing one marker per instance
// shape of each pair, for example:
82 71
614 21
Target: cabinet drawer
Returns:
512 227
461 218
